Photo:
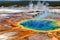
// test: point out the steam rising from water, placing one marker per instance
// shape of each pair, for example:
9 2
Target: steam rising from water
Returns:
40 6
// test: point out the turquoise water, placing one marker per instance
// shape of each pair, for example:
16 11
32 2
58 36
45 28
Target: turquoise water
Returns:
43 25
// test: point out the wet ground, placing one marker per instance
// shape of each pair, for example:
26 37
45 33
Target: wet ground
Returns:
10 32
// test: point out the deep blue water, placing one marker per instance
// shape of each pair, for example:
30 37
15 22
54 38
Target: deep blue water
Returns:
43 25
